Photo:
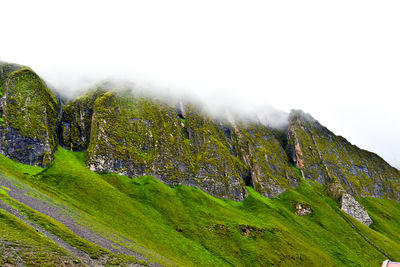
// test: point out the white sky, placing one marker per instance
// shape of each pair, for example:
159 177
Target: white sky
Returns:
338 60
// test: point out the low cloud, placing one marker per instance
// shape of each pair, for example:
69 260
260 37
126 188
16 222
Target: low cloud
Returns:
291 55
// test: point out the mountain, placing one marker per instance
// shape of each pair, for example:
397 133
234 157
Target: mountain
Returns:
118 176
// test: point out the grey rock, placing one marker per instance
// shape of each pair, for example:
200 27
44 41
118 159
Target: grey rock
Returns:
355 209
23 149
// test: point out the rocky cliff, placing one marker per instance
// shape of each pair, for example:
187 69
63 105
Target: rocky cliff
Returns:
28 112
134 135
326 158
76 118
129 133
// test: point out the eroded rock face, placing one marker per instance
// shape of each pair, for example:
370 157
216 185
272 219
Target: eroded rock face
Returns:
354 209
269 169
28 112
326 158
135 135
76 119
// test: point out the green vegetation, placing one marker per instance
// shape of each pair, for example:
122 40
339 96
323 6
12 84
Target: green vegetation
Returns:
5 188
180 225
298 171
385 214
28 118
20 241
55 228
16 169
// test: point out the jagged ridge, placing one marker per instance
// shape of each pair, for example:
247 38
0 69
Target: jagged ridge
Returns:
132 134
327 158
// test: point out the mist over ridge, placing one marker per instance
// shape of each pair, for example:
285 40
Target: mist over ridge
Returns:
295 55
214 107
219 104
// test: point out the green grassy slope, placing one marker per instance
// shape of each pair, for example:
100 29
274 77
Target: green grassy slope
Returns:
182 225
20 242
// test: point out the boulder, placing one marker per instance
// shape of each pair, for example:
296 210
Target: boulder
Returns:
354 209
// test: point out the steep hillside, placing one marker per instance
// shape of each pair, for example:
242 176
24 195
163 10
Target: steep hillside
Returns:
139 180
182 225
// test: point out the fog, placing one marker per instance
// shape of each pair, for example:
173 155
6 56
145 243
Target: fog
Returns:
338 61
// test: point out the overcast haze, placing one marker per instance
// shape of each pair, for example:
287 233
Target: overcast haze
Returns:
337 60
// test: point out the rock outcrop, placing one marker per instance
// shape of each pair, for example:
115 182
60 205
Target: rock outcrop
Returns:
270 172
354 209
326 158
28 112
76 120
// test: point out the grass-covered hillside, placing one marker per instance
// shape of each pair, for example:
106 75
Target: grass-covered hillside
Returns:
71 215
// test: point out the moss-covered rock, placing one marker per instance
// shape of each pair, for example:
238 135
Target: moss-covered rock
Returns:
28 112
270 172
135 135
326 158
76 119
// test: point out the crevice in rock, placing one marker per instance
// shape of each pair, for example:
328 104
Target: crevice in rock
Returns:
247 178
282 136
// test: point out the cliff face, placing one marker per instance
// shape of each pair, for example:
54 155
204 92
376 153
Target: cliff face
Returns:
28 112
270 172
327 158
76 118
134 135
